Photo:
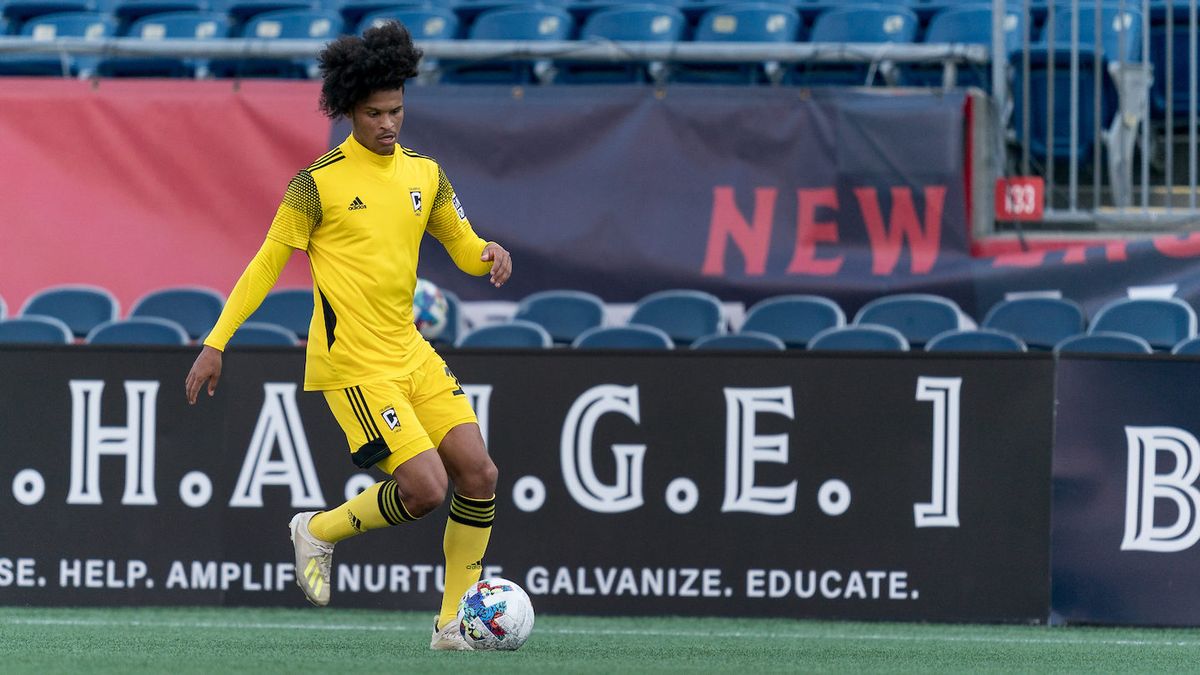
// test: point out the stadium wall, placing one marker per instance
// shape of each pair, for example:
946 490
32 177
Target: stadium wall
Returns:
744 192
883 487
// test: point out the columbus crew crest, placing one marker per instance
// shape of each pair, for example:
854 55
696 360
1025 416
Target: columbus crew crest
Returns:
416 201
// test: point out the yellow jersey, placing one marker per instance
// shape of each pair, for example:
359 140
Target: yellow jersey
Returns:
360 217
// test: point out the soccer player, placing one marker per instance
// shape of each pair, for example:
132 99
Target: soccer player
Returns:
359 211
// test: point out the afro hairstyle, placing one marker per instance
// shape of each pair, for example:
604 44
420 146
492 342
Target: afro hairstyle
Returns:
353 67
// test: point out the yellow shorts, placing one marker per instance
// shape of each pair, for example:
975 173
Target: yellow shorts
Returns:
388 423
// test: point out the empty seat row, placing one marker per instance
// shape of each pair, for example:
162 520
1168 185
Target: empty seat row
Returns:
463 13
850 338
670 318
91 314
901 321
736 22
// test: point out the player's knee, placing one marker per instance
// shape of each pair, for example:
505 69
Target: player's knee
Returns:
425 496
480 481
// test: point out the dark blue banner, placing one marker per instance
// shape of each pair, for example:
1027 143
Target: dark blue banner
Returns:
746 193
1164 266
1126 515
743 192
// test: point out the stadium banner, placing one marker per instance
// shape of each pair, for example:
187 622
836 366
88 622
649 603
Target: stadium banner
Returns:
1126 514
745 192
814 485
133 185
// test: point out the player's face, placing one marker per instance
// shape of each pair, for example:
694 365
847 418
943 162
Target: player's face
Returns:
376 121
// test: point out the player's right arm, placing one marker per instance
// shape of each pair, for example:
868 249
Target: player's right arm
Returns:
248 293
297 217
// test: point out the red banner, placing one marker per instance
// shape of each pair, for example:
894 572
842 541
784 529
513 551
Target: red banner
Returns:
133 185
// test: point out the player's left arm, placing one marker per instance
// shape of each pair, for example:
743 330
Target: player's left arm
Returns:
448 223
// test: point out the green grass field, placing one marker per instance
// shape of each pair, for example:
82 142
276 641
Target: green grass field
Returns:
260 641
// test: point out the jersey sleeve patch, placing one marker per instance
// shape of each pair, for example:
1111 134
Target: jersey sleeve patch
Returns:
299 214
447 218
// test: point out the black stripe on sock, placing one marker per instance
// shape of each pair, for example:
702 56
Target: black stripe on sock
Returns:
472 512
390 505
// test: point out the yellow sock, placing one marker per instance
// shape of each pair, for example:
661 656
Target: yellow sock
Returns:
376 507
467 531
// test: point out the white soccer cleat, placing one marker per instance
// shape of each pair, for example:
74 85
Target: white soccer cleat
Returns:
448 639
314 559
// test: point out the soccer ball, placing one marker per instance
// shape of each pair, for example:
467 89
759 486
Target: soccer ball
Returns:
495 614
430 309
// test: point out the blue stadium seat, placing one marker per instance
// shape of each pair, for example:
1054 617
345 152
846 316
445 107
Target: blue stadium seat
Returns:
861 337
745 340
854 23
81 307
1122 34
284 24
514 334
683 314
48 27
927 9
1188 347
741 22
1041 323
195 309
240 12
1104 342
143 330
35 330
167 26
512 23
966 23
918 316
354 12
291 308
128 11
563 313
633 22
623 337
975 340
18 12
255 334
794 318
469 10
1162 322
865 22
425 23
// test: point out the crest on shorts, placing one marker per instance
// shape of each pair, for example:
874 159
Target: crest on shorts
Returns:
389 416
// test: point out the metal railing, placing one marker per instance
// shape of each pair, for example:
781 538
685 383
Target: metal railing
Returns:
1133 160
485 50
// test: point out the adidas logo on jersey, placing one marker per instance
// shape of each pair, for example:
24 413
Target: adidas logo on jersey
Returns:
357 204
